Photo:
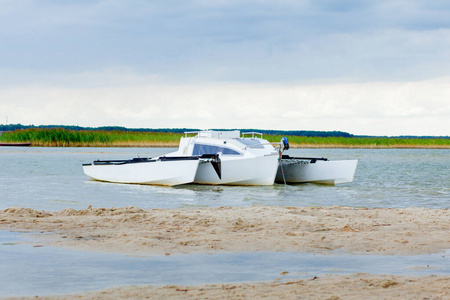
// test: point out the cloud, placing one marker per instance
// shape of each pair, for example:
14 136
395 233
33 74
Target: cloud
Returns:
366 67
254 41
380 108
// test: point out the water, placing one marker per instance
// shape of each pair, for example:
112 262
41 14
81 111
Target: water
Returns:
29 270
53 179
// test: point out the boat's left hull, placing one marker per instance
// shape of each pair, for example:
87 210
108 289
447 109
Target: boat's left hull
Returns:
156 172
260 170
320 171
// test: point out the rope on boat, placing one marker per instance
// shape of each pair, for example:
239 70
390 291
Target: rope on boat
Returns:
284 145
282 172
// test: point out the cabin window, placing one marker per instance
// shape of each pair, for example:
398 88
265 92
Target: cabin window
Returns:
252 143
200 149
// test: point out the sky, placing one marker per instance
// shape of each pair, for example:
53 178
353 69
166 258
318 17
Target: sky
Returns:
363 67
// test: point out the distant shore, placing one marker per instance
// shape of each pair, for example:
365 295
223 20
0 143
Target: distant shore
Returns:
292 146
175 145
135 231
90 138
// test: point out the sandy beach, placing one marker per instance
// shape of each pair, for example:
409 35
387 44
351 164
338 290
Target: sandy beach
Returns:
355 286
132 230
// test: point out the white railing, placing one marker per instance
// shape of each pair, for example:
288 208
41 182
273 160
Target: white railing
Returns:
253 134
190 132
232 134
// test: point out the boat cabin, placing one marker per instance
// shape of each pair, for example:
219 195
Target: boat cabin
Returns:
221 142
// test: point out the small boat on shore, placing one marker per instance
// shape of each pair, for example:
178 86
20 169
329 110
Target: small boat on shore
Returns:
15 144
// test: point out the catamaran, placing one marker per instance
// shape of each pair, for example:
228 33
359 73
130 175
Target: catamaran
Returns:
223 157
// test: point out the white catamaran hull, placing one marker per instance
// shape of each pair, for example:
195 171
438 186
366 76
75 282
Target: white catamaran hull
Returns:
155 172
320 171
260 170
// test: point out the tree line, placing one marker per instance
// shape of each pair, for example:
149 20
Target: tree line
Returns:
306 133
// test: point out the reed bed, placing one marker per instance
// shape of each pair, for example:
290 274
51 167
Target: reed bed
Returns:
87 138
363 142
102 138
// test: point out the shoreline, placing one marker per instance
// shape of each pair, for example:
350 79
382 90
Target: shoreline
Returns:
150 232
123 138
292 146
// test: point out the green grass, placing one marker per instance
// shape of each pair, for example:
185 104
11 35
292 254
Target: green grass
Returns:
363 142
89 138
73 138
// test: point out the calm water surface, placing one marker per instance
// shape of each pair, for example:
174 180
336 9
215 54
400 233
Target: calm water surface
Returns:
28 270
53 179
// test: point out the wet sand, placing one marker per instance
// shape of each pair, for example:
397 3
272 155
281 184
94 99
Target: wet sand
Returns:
229 229
135 231
355 286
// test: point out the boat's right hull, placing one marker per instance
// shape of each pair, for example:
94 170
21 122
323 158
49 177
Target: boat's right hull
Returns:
326 172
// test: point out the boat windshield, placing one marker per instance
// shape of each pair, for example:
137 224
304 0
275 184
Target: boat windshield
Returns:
252 143
200 149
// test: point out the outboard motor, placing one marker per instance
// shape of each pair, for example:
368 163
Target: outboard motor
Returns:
284 144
